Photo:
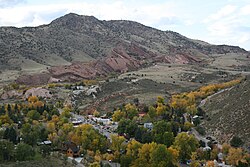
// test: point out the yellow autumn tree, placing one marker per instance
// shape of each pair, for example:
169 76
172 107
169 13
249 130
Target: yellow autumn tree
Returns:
235 155
133 149
161 109
118 115
144 155
32 99
51 127
117 142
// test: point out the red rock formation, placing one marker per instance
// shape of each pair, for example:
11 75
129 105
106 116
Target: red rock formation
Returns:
117 61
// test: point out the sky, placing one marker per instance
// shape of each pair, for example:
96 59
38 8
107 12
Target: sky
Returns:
213 21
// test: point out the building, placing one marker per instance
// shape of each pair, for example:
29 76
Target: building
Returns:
105 121
148 125
70 149
76 122
46 142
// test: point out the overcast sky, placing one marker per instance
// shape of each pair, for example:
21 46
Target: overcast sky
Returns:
214 21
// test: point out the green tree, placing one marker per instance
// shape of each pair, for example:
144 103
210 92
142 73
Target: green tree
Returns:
151 112
143 135
7 150
117 142
10 134
131 111
185 144
118 115
236 142
168 138
161 157
30 133
126 160
127 126
2 110
45 150
89 138
24 152
33 115
161 127
160 99
144 155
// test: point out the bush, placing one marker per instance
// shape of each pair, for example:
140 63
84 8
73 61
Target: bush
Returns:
236 142
24 152
201 130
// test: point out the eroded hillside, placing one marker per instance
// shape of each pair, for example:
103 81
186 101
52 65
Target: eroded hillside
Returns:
78 47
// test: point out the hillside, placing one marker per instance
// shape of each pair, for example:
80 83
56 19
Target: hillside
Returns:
85 47
230 113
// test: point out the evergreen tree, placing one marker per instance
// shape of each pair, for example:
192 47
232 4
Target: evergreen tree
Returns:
2 110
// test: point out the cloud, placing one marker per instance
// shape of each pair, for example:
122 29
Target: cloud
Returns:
245 10
228 25
223 12
41 14
8 3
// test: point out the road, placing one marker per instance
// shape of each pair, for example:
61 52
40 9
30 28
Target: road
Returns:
199 137
203 102
105 132
195 133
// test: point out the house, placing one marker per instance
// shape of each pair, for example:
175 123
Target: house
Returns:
105 121
148 125
46 142
207 148
76 122
142 114
70 149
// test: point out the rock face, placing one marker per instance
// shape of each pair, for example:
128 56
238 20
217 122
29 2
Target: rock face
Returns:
39 92
11 94
94 47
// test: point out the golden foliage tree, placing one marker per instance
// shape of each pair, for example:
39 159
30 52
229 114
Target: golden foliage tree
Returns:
235 155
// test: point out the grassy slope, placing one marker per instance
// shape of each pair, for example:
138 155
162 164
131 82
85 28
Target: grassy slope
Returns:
230 113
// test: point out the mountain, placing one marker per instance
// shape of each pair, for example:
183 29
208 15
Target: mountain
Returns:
75 46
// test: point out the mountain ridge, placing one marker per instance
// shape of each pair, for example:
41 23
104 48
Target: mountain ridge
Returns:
75 39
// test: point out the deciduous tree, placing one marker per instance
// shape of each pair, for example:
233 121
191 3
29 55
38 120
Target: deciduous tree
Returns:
185 144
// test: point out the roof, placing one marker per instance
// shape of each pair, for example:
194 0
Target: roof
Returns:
47 142
142 114
70 145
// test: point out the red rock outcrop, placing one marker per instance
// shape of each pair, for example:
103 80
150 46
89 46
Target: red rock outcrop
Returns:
117 61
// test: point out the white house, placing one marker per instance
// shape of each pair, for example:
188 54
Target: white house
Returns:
148 125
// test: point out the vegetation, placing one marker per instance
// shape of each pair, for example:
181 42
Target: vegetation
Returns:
186 102
158 137
236 142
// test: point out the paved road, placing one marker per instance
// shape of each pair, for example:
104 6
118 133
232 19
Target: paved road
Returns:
104 132
199 137
101 130
202 103
195 133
